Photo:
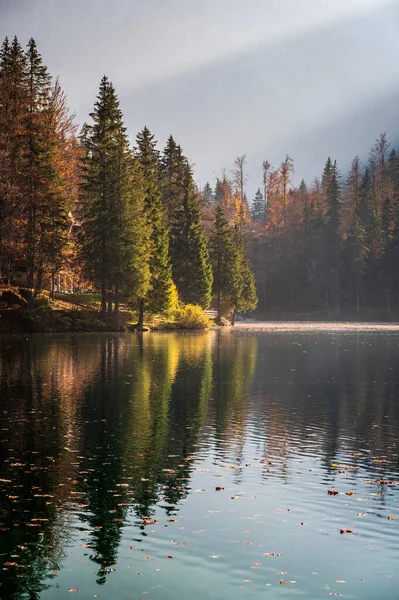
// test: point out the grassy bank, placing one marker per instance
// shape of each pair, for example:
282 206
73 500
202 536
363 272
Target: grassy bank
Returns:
81 313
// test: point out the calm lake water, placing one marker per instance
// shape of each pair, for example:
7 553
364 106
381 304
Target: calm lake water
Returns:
198 466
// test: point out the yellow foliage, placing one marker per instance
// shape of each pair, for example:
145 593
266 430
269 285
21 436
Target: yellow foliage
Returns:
192 316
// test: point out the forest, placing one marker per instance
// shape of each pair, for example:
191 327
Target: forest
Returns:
91 209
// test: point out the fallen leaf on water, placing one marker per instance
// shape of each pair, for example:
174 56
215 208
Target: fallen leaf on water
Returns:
341 581
361 514
283 581
234 497
348 531
350 493
391 518
332 492
271 554
74 590
219 489
200 491
170 556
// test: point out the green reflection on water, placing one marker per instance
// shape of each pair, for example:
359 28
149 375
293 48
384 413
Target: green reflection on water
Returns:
97 430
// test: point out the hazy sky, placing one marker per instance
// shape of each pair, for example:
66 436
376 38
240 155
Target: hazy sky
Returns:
226 77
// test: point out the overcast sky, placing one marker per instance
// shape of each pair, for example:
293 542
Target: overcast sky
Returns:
310 78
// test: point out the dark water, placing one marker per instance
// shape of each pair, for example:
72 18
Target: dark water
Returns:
112 447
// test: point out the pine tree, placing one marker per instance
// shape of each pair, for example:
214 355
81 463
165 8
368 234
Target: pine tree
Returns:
13 113
245 297
332 218
356 246
191 269
37 158
258 209
157 299
114 249
208 195
225 262
171 177
219 192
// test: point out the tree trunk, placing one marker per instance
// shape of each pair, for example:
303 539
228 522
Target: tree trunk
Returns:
389 303
109 303
52 285
117 301
103 300
233 317
140 322
219 319
39 281
357 298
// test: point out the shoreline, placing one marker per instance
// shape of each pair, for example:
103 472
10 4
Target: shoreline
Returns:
20 321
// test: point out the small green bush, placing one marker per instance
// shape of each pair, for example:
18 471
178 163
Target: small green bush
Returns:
191 316
42 300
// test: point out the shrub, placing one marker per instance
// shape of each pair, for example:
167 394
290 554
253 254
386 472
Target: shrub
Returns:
173 305
191 316
42 300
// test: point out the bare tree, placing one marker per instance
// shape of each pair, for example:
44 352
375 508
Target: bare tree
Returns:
239 177
286 170
378 155
266 168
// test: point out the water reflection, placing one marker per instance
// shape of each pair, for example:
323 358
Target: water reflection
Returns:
99 431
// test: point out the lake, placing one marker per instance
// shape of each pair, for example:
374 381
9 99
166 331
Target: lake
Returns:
248 463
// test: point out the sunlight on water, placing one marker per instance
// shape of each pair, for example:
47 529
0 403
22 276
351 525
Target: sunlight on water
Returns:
253 462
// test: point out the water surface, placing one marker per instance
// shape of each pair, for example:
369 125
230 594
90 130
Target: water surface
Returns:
113 450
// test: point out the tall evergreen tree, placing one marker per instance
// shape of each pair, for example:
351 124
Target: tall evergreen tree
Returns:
258 209
157 299
225 262
13 114
114 249
332 218
171 177
191 269
208 195
245 297
37 155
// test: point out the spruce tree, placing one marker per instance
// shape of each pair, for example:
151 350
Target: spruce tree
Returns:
258 209
208 195
171 177
225 262
157 299
114 249
36 157
191 269
356 247
13 114
245 297
332 219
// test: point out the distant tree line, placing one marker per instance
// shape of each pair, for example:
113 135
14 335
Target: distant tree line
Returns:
126 220
330 247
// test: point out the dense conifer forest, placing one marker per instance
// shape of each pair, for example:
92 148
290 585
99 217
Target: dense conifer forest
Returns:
94 208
